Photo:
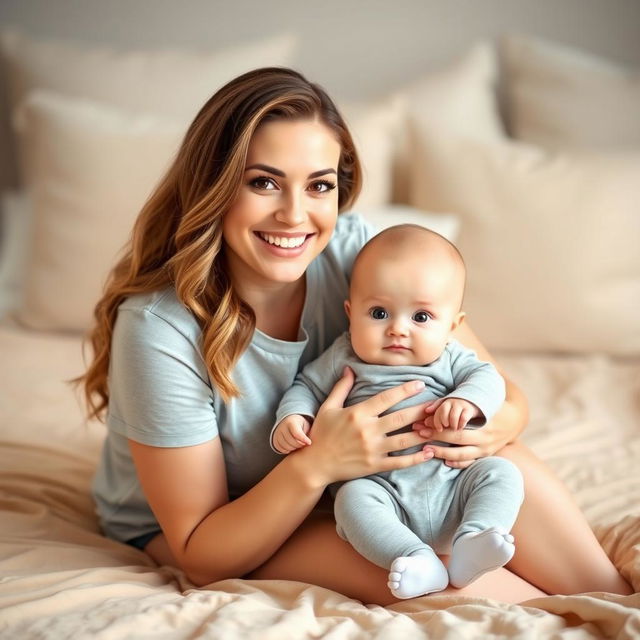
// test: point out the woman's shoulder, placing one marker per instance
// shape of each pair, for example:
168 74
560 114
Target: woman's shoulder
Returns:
351 226
351 232
157 311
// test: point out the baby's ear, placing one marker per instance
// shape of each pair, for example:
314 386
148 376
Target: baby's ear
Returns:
347 308
458 320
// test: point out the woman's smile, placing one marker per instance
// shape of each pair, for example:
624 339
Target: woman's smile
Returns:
284 244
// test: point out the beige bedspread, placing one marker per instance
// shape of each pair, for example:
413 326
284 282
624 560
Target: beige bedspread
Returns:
59 578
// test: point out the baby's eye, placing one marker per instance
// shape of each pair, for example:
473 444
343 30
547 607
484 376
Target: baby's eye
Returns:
378 313
420 316
264 183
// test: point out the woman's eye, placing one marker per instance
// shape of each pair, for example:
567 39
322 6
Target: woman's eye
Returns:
420 316
263 183
322 186
378 313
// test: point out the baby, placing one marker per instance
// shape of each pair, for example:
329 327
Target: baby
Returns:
404 303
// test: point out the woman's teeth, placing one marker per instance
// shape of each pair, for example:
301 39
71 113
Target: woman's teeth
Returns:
285 243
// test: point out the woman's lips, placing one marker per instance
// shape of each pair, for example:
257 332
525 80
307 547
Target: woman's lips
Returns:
284 245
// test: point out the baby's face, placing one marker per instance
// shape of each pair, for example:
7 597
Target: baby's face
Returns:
402 312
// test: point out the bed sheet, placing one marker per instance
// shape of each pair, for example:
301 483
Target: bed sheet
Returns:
60 578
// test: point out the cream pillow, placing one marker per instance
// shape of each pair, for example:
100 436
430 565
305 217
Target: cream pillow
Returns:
164 82
173 83
460 94
550 240
563 98
91 169
15 222
375 129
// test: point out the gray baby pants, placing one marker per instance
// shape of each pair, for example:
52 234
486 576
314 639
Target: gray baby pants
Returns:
428 506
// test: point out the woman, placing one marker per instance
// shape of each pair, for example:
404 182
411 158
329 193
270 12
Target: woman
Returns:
233 280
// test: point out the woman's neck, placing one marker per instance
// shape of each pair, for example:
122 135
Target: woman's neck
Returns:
278 308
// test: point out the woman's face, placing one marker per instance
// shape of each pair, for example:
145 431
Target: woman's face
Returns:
287 206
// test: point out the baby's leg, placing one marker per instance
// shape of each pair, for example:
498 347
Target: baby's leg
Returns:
490 493
369 518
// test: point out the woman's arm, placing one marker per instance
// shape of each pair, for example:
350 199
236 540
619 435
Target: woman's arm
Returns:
505 427
212 538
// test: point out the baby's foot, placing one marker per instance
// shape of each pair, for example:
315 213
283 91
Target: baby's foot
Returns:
473 554
413 576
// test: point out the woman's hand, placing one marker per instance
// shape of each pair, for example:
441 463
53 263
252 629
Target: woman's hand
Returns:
471 443
352 442
504 428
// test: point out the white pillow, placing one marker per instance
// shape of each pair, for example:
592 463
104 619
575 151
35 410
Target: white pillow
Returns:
91 169
446 224
550 240
563 98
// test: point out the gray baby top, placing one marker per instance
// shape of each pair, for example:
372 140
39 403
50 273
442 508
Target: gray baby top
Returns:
456 373
160 393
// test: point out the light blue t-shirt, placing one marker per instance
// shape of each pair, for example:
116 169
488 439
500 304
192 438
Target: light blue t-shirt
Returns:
160 393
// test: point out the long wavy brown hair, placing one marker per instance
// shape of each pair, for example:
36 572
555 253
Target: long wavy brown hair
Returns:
177 237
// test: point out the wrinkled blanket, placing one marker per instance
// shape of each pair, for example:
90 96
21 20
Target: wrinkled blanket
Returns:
60 578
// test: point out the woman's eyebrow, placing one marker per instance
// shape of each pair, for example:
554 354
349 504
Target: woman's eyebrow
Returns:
282 174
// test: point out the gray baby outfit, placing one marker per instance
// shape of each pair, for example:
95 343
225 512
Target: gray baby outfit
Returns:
428 506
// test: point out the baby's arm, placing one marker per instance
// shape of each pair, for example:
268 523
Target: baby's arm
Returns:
291 433
478 392
303 399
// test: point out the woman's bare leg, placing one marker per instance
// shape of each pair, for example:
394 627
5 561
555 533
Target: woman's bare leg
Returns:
158 549
315 554
556 549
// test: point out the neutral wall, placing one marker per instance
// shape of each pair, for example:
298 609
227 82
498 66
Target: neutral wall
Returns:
355 48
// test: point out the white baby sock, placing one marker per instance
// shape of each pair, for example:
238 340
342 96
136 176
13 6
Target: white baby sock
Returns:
417 575
476 553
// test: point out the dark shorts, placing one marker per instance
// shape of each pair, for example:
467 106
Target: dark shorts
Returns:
140 542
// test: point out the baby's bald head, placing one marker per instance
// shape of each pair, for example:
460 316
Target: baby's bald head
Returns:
421 249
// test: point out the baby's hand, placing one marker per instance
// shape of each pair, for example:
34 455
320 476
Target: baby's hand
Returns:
452 413
291 434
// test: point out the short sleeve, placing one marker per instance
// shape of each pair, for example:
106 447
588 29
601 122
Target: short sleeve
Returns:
159 390
352 232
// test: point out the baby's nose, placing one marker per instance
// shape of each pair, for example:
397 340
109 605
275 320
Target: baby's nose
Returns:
398 327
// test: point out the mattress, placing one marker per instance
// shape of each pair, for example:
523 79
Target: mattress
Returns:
61 578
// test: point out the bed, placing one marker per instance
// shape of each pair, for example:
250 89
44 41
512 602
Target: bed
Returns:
578 362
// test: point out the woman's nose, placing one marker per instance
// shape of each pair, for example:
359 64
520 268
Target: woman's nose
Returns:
292 211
